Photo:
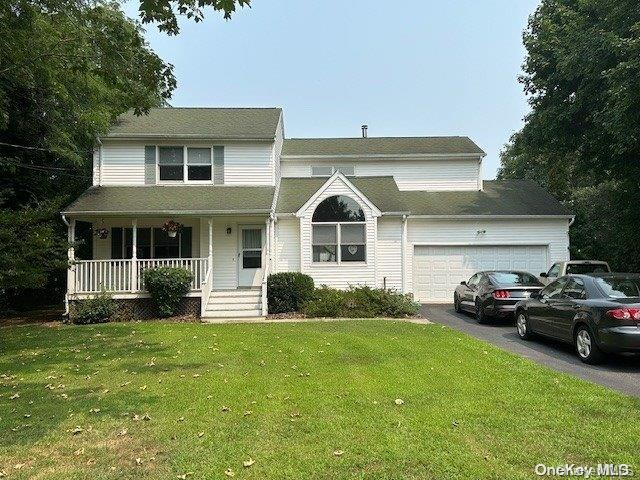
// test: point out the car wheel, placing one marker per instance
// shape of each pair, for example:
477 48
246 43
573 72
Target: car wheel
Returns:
522 326
481 315
456 303
586 347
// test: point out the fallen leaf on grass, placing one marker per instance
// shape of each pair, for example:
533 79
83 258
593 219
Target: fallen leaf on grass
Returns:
14 396
225 408
184 475
248 463
77 430
138 461
247 413
122 432
94 410
399 401
200 434
229 473
78 452
338 453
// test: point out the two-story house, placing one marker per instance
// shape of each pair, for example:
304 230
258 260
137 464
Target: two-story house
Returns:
406 213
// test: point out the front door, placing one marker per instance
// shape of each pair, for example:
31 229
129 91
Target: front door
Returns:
250 256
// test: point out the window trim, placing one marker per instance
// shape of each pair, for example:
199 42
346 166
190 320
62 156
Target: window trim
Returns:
339 260
185 166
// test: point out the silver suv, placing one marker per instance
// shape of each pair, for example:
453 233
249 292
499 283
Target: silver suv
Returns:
560 269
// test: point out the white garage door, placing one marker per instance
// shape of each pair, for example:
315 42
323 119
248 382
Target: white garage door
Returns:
438 270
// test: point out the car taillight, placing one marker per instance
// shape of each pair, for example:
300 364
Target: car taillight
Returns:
501 294
624 313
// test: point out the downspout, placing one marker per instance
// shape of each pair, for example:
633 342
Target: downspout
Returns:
403 243
66 290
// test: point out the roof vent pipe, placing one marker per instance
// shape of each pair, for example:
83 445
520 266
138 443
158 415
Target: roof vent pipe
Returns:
364 131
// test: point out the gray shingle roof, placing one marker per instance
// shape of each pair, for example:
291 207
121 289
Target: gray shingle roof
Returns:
380 146
505 197
222 123
168 199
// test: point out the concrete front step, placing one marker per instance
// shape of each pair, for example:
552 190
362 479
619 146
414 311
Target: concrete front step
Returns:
230 307
242 292
235 300
232 313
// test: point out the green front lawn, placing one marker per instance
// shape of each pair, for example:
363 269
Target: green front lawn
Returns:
162 400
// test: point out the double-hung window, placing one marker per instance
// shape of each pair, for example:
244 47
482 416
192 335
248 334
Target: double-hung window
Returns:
171 163
199 164
339 231
150 243
184 164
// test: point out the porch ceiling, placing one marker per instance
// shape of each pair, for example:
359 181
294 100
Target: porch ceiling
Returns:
183 199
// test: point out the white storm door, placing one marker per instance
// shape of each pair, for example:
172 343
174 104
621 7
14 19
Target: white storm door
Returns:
250 256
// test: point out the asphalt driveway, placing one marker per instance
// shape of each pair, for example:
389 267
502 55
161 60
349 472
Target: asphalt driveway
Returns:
618 372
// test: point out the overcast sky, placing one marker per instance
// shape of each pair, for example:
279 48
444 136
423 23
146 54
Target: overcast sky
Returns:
427 68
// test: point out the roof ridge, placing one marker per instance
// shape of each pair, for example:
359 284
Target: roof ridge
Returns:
169 107
381 138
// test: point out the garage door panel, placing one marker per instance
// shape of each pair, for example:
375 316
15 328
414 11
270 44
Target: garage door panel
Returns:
437 270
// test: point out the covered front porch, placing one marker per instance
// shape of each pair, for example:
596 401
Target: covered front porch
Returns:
222 238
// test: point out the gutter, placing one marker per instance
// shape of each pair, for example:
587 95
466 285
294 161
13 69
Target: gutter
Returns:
416 156
120 213
66 290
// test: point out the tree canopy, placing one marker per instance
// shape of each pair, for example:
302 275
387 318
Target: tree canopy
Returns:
67 70
582 137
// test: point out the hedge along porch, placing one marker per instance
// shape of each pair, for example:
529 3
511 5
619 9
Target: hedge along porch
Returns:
225 252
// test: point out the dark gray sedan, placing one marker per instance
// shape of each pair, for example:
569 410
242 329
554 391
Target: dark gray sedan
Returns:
597 313
494 293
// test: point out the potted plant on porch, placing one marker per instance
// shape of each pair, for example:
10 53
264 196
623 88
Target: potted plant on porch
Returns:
172 227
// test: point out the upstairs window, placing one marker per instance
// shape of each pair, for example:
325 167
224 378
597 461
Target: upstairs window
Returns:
339 231
171 163
199 164
328 170
190 164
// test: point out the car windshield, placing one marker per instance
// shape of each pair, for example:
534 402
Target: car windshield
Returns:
619 287
587 268
513 278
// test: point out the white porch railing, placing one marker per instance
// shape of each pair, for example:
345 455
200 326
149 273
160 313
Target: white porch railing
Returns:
92 276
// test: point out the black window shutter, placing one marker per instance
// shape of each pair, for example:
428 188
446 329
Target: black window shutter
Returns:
185 242
116 242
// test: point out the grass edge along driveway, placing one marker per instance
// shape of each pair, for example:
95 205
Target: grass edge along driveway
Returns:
293 400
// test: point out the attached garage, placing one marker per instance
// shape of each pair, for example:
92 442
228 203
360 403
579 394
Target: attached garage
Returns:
437 270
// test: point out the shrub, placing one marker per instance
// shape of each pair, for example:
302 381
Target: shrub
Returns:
167 285
360 302
288 291
97 309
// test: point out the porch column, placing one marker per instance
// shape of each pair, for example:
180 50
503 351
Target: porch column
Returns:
71 254
134 256
210 255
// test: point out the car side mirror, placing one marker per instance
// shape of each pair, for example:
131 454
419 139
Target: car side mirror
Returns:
544 274
463 283
534 295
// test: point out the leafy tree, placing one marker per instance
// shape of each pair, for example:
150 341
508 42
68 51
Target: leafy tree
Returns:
67 69
582 137
163 12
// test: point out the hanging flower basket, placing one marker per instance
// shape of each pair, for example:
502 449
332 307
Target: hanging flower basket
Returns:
102 233
172 227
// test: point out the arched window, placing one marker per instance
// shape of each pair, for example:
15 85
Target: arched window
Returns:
339 231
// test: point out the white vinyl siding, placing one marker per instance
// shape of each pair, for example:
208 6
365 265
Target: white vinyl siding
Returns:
435 175
96 166
122 163
345 274
277 150
248 164
244 163
550 233
287 245
388 258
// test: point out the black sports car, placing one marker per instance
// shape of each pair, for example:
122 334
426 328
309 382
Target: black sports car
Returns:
494 293
597 313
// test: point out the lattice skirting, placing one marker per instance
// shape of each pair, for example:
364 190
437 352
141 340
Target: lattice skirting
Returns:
144 309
